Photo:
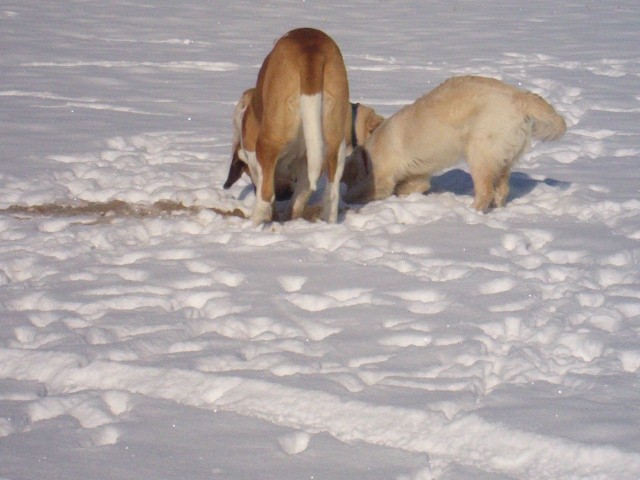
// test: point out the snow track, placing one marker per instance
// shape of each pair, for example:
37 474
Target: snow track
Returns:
491 446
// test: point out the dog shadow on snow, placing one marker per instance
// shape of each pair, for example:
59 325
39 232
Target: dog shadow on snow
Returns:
456 181
459 182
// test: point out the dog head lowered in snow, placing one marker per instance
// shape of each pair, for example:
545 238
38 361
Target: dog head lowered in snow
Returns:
485 121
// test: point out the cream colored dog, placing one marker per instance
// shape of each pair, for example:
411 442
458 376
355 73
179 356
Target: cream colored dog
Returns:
483 120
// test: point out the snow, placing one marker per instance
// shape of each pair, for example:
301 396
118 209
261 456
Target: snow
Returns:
150 331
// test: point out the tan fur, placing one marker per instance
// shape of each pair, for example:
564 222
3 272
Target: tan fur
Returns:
303 64
366 121
293 163
485 121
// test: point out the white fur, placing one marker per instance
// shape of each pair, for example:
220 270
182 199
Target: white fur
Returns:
255 170
238 115
262 211
311 113
331 199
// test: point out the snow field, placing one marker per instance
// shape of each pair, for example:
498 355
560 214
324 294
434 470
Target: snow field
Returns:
149 330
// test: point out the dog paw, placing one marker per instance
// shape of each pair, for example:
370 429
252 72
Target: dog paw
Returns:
262 212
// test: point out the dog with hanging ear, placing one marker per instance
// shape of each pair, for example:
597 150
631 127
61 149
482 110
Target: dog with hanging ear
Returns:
299 109
483 120
363 120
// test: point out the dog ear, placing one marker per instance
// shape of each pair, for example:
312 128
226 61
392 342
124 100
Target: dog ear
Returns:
356 167
365 158
245 99
238 112
236 169
373 121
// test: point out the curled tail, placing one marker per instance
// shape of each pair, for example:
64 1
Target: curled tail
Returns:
547 124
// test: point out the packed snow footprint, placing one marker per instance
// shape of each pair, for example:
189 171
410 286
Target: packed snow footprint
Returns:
203 302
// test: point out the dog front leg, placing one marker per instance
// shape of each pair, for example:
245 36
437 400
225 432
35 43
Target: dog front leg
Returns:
416 184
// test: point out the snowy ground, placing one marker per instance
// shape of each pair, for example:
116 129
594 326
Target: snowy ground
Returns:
415 339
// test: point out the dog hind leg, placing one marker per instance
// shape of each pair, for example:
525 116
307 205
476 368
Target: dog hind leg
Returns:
484 173
502 187
331 200
483 191
267 153
490 158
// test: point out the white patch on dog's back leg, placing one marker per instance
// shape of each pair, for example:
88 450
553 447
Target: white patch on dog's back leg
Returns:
262 210
332 193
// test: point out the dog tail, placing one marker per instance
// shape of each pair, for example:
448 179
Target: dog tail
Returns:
311 112
547 124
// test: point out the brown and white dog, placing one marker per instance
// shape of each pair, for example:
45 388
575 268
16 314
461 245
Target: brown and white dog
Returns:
293 163
483 120
299 108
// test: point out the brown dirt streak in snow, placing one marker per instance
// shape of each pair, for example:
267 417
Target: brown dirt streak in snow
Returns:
112 208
